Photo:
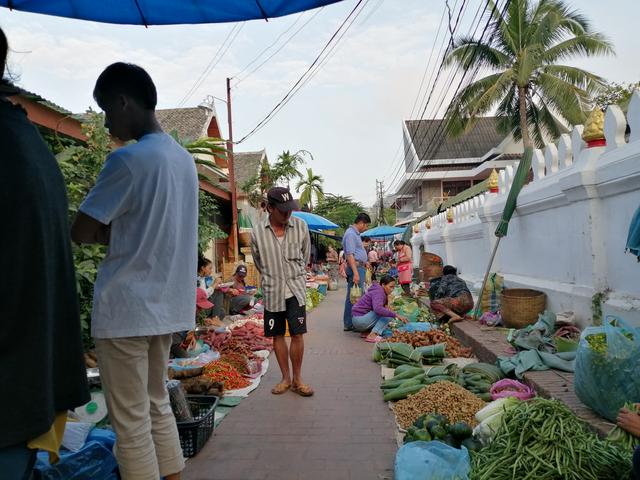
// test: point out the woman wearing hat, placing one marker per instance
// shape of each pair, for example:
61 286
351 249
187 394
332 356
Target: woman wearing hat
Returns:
240 300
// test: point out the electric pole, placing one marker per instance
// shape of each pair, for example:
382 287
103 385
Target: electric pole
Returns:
232 180
380 196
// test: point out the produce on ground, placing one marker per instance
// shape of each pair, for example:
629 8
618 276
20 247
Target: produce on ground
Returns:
226 374
394 354
236 360
408 380
433 337
622 437
490 418
478 378
446 398
434 426
202 385
184 373
409 308
542 438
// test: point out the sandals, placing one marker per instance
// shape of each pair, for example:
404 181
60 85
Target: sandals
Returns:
302 390
280 388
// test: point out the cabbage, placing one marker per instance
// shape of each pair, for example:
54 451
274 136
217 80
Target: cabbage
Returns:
497 406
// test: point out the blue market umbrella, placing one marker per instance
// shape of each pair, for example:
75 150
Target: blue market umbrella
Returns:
165 12
315 222
383 231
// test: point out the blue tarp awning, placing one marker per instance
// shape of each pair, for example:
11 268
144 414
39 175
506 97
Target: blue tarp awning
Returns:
383 231
315 222
165 12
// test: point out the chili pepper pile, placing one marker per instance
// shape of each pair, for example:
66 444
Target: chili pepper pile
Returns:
432 337
226 374
236 360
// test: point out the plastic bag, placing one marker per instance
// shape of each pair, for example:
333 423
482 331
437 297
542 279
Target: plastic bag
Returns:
431 461
179 403
416 327
607 365
94 461
511 388
492 295
355 294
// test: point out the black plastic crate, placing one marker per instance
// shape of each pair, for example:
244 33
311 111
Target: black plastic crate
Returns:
193 435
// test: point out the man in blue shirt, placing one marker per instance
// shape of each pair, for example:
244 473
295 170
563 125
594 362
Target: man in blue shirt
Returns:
356 258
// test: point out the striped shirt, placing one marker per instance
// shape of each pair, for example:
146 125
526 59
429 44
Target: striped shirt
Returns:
281 265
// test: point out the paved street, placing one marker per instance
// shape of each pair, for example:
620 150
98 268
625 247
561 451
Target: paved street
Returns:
344 432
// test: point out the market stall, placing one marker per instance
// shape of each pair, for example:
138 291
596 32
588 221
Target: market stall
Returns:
460 418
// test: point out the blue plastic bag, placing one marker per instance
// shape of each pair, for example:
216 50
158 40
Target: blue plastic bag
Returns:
94 461
606 378
432 461
416 327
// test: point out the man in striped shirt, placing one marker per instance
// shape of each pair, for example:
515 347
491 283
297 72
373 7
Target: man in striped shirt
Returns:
281 247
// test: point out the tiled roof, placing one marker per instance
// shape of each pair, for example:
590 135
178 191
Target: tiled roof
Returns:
474 144
246 166
190 123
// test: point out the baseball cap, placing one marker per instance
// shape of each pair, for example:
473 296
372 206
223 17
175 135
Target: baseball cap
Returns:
241 270
282 199
201 299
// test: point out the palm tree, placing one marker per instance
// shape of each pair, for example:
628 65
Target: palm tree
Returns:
286 168
532 92
205 151
311 186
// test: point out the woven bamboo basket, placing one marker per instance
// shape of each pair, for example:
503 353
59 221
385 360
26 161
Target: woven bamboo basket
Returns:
521 306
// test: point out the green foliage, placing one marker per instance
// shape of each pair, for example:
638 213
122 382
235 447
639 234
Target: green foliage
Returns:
616 94
526 50
311 187
80 165
339 209
280 173
208 229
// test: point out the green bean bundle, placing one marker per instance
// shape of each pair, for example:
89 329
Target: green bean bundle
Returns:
542 439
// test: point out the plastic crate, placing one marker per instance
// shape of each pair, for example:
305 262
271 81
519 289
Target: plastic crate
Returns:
193 435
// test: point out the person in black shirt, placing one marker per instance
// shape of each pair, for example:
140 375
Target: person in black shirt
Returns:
43 370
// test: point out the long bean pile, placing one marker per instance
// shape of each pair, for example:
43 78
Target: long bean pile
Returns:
543 439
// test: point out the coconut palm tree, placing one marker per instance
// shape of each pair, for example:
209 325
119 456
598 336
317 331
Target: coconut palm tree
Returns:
286 167
531 90
311 187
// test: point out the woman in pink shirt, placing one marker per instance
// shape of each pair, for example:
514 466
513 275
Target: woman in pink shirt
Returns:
371 312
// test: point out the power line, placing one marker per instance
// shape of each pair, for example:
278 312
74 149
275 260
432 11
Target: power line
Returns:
415 101
426 104
266 60
352 16
220 53
441 126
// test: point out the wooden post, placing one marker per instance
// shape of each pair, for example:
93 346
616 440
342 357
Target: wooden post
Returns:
233 234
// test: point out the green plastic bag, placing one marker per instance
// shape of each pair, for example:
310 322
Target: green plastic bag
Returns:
355 294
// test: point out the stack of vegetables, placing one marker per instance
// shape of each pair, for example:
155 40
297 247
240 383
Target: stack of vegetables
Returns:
409 308
432 337
314 297
622 437
226 374
396 354
446 398
478 378
406 378
490 418
542 438
434 426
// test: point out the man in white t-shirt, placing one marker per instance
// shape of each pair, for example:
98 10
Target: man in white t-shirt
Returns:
144 205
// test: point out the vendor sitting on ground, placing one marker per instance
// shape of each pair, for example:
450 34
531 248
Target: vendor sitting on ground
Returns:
209 282
450 297
371 312
393 269
240 299
630 422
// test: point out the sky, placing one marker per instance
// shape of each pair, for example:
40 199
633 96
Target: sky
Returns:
349 116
